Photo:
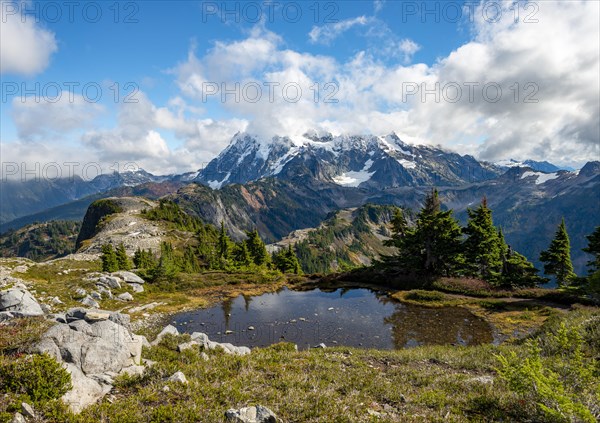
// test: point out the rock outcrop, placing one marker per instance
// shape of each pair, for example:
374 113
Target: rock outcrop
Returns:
94 346
258 414
18 302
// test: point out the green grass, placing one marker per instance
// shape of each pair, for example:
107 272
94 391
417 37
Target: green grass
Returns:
430 383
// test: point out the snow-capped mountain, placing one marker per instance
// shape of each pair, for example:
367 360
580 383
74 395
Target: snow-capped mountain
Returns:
534 165
347 160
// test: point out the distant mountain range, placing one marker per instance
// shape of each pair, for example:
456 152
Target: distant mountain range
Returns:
283 184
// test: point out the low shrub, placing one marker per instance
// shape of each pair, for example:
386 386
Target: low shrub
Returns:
40 377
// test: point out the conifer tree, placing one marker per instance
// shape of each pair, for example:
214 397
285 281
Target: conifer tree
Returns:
143 259
438 235
223 243
241 254
257 248
593 248
122 259
482 248
166 267
109 259
557 258
286 261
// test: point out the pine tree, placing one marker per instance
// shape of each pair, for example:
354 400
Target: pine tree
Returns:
518 272
109 259
122 258
557 257
223 243
482 248
143 259
286 261
257 248
166 267
593 248
241 254
438 235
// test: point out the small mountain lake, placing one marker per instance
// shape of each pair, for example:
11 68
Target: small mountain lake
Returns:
354 317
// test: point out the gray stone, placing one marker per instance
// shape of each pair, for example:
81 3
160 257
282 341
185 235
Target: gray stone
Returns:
96 316
167 330
20 300
129 277
85 391
56 301
75 314
110 281
90 302
258 414
96 295
27 410
80 292
482 379
136 287
6 315
178 377
204 356
18 418
133 370
126 296
104 292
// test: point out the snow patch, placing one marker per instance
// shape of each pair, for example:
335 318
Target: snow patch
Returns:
353 178
407 164
540 177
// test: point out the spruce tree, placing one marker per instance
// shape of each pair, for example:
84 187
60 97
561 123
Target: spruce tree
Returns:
286 261
438 235
593 248
109 259
223 243
482 248
241 254
166 267
557 258
122 258
257 248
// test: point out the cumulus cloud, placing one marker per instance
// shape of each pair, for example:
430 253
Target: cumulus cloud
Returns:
26 46
37 118
327 33
546 71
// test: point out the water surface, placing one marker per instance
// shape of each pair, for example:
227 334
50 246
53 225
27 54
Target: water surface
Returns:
350 317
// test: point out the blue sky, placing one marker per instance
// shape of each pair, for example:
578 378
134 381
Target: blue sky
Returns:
370 49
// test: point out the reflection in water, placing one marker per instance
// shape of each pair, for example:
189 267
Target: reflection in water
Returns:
412 326
352 317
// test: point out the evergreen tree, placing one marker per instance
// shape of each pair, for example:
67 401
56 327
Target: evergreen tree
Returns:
438 235
223 243
143 259
482 248
285 261
109 259
518 272
242 255
257 248
190 261
557 257
593 248
122 258
166 267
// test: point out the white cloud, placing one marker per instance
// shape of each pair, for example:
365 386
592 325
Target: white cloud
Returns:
41 118
327 33
378 5
26 47
559 54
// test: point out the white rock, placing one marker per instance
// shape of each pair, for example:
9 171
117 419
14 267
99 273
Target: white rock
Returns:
126 296
258 414
27 410
168 329
178 377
